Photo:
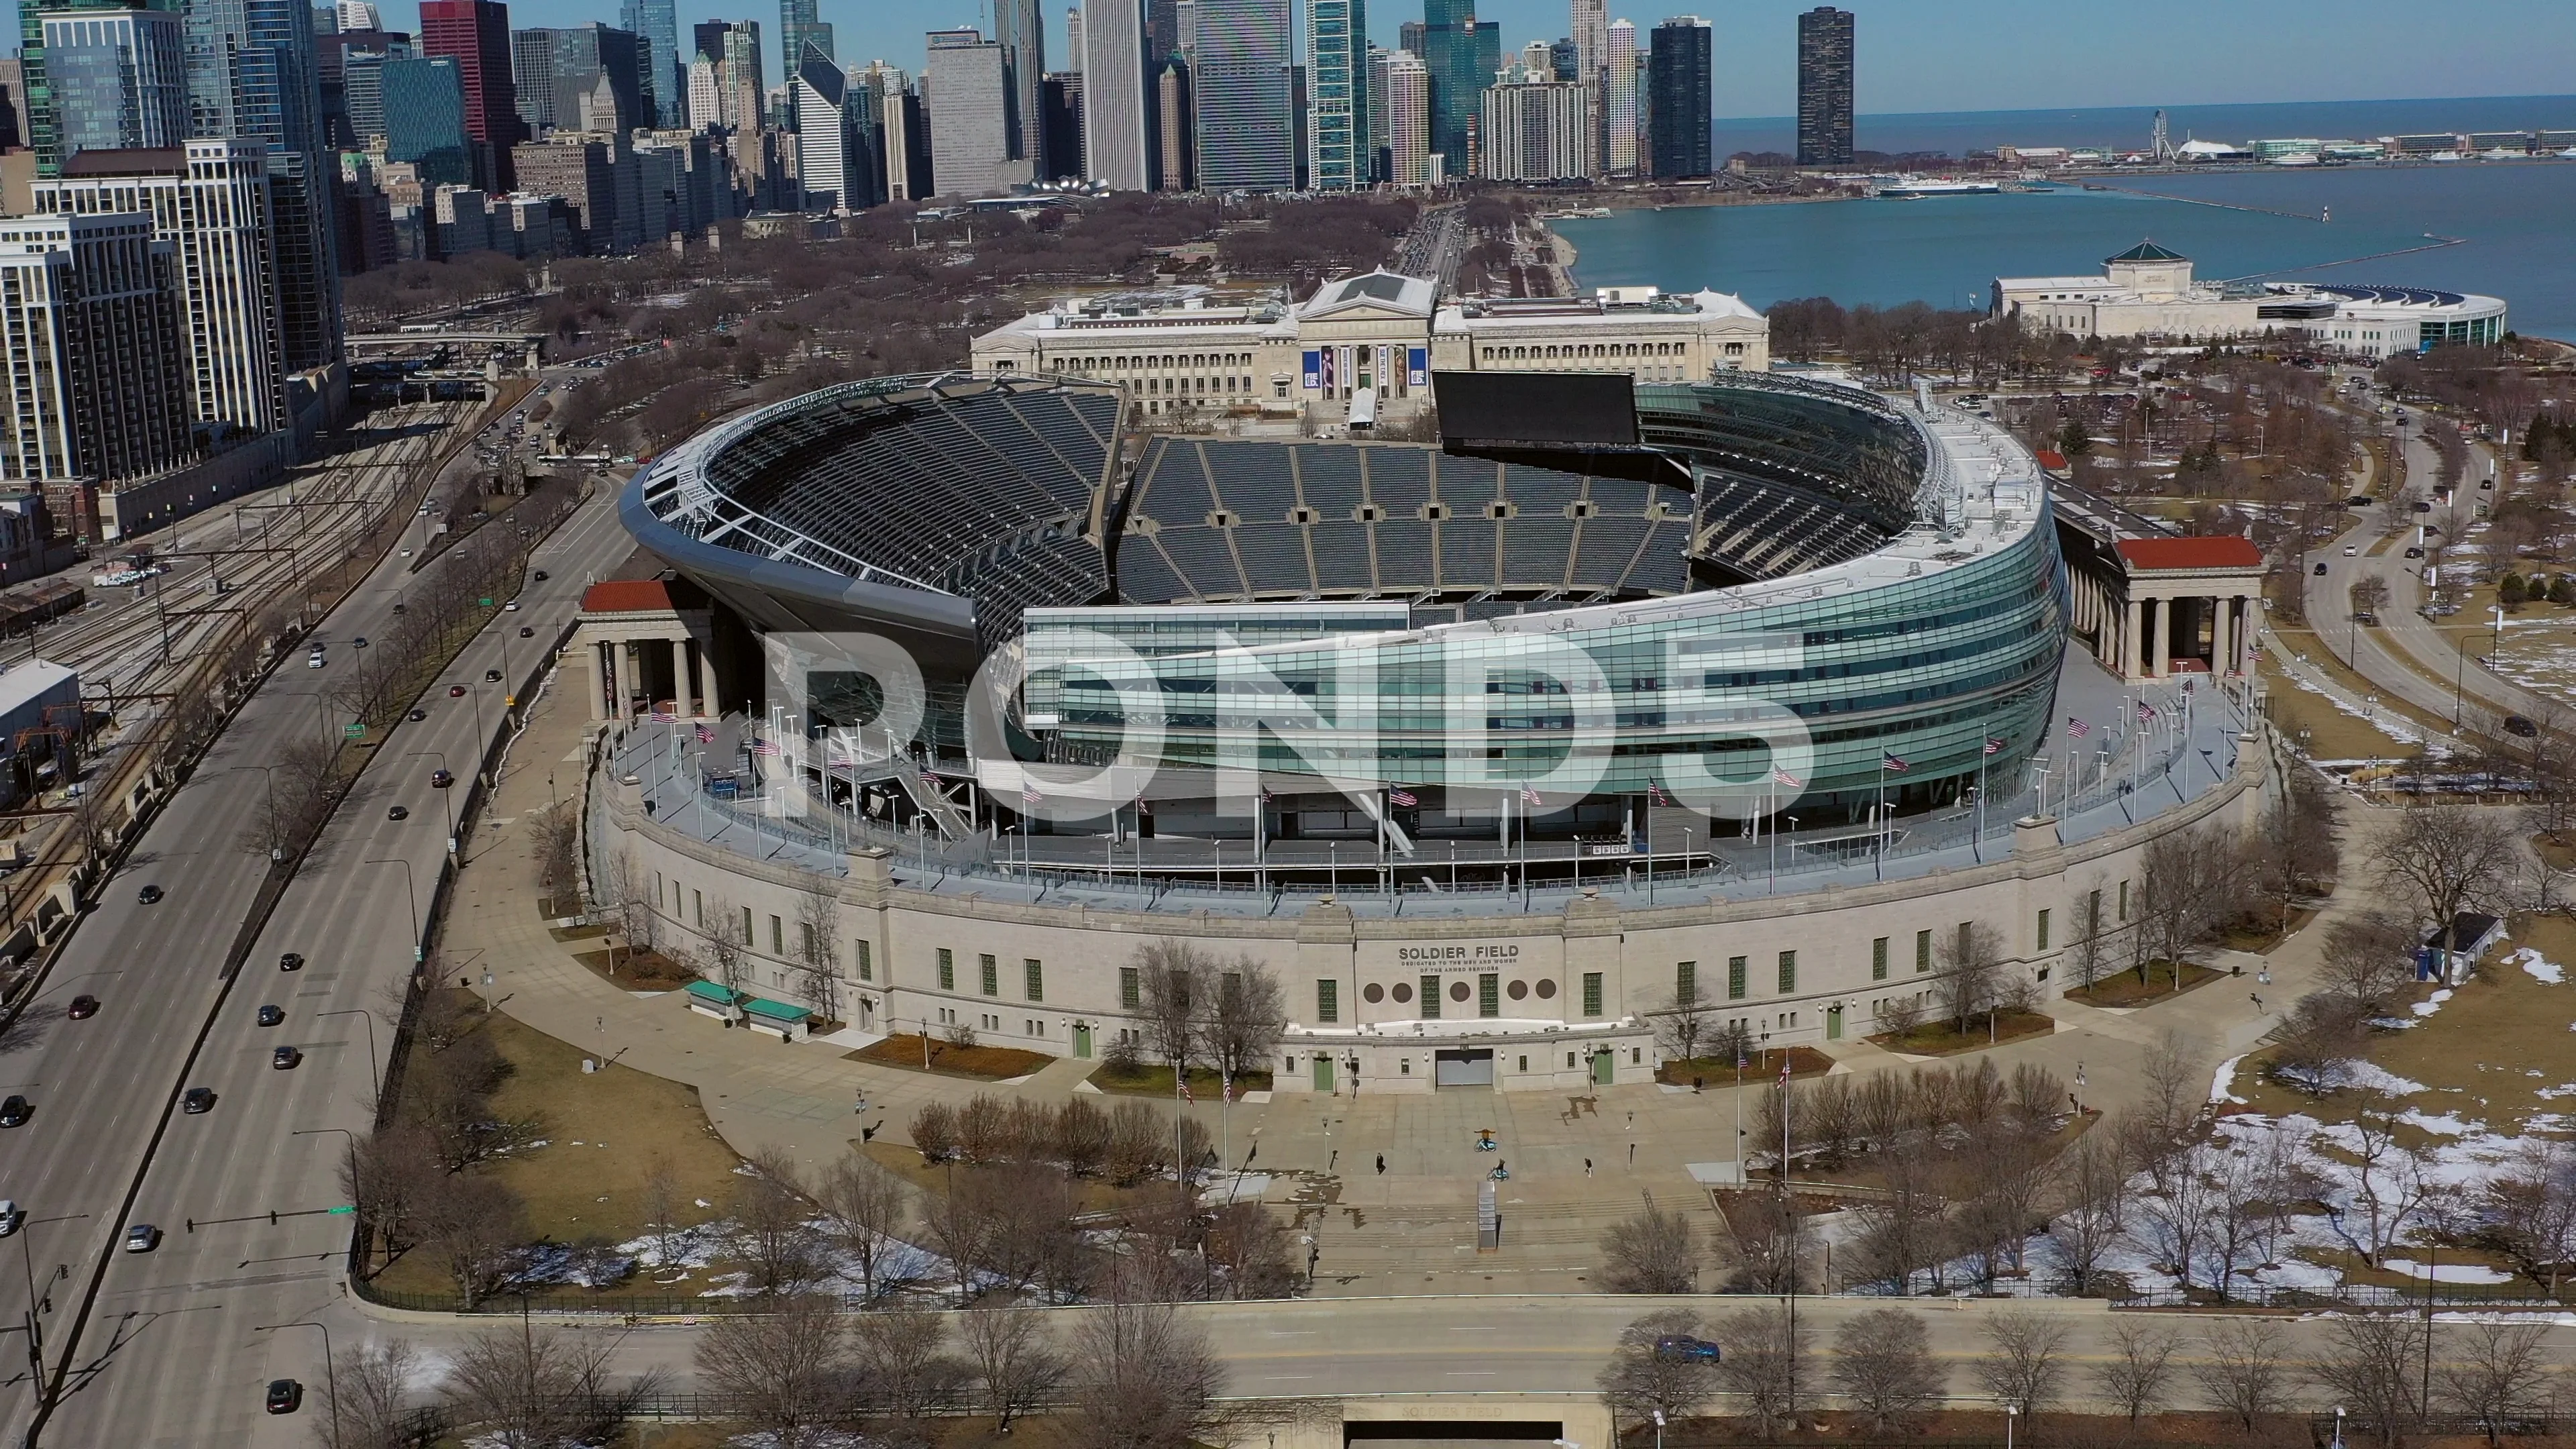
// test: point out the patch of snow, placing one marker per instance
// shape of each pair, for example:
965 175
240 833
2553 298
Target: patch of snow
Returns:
2448 1272
2542 969
2432 1003
2373 1077
2447 1124
2222 1084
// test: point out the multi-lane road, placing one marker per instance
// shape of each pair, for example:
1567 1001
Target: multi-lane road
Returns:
167 1347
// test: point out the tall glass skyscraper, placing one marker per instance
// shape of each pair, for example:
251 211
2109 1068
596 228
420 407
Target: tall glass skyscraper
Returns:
798 27
666 86
119 79
43 114
1680 96
1242 96
1619 97
1020 30
1825 87
1462 56
1337 95
253 76
1114 51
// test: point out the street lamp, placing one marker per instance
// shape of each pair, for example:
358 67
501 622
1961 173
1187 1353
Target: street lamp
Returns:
410 891
330 1369
276 851
446 797
373 1074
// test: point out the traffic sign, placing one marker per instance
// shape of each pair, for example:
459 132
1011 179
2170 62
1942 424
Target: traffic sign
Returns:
482 603
353 731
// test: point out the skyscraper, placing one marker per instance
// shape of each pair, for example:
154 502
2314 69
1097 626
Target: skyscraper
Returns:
1619 97
800 26
970 113
477 34
586 54
1681 90
532 78
425 119
827 143
119 79
1459 74
1337 95
1241 96
1073 39
1591 26
1115 150
1060 99
1410 160
1162 29
253 75
1534 127
1020 30
656 26
1825 87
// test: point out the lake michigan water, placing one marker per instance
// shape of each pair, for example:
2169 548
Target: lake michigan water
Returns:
2516 222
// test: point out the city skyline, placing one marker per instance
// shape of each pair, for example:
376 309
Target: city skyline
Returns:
1977 55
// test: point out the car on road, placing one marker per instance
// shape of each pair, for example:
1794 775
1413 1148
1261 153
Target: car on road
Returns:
291 961
2350 550
511 607
11 1215
440 779
150 895
456 691
358 643
539 576
83 1008
527 632
2359 500
14 1111
285 1396
1683 1346
284 1059
271 1015
2414 553
399 812
491 676
2321 566
416 716
313 660
2520 727
142 1238
199 1100
2423 507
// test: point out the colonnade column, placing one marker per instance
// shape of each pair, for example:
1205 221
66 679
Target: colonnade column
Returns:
2160 639
2133 640
680 677
592 671
2221 634
712 707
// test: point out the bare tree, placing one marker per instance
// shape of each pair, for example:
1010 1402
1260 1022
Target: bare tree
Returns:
2096 945
1171 979
1883 1365
1771 1243
902 1355
867 1210
818 953
1642 1381
1904 1229
478 1229
2370 1367
1015 1370
1765 1361
2498 1373
2189 885
537 1388
1970 962
622 891
772 1232
2140 1366
2176 1080
2324 1030
391 1177
2094 1199
1682 1024
1143 1379
2027 1360
1081 1137
1245 1014
2530 1209
2389 1180
2243 1371
2442 859
2369 959
934 1131
370 1396
2298 857
661 1206
726 956
1653 1251
784 1367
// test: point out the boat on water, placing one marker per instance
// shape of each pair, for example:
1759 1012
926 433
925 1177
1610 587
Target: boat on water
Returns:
1916 188
1579 213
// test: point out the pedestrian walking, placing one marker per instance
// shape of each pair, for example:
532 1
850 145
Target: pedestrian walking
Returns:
1381 1164
1587 1167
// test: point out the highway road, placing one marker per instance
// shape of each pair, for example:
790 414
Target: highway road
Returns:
167 1354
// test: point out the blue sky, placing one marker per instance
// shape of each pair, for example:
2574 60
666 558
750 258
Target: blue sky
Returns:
1940 55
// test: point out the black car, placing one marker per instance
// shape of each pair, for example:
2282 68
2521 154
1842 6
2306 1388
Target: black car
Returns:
359 643
199 1099
83 1008
526 632
271 1015
291 961
285 1396
1683 1346
2321 568
399 812
14 1111
491 676
2520 727
284 1058
418 715
150 895
539 576
2414 553
440 779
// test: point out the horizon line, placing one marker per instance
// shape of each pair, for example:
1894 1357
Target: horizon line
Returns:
1858 116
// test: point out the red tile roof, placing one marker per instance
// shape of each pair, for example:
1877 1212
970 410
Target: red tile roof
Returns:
2052 460
2223 551
627 596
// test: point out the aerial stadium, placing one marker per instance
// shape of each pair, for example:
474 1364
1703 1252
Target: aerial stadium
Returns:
1493 740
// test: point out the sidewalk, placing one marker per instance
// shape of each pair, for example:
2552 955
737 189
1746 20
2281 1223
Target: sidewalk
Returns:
1410 1227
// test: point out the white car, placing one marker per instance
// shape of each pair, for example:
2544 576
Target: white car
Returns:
313 660
2349 550
11 1215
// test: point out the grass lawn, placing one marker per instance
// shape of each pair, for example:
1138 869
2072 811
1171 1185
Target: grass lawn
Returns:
2555 854
2125 989
979 1063
1154 1079
2261 932
1760 1065
1943 1038
2319 725
640 971
603 1129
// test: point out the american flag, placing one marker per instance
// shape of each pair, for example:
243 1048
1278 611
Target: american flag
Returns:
1531 796
1785 778
1993 745
1229 1089
665 717
1183 1082
765 747
2077 728
1143 807
706 736
1266 796
1029 795
1402 796
1887 761
1784 1071
1655 793
2145 711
